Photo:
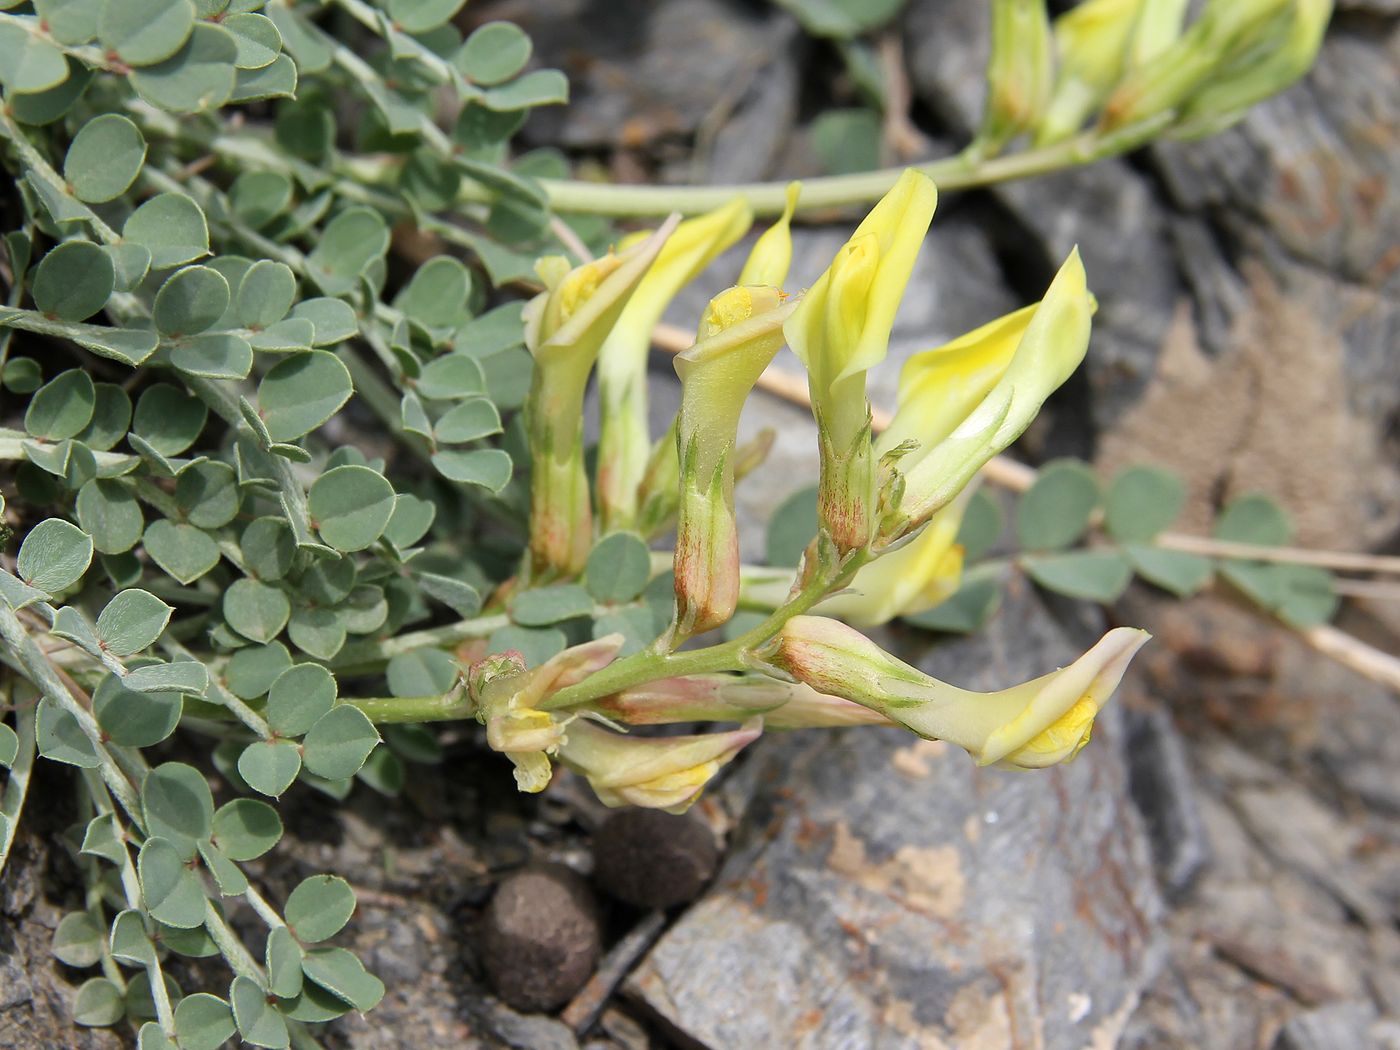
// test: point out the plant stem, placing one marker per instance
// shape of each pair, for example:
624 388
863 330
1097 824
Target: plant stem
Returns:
371 656
390 710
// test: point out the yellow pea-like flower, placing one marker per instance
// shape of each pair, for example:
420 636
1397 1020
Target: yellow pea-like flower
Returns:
624 443
1029 726
565 325
841 329
962 403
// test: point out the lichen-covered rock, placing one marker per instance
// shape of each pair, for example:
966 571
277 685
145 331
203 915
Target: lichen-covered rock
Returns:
884 892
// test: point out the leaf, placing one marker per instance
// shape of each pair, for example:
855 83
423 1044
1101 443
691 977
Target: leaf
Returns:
449 377
132 621
208 494
129 941
9 746
143 32
546 605
344 976
283 960
102 838
410 521
266 293
257 39
28 63
619 568
131 346
508 376
180 676
197 78
1256 519
982 525
258 1021
277 79
350 242
269 548
535 644
61 739
98 1003
171 227
543 87
171 891
214 355
1141 502
74 281
966 610
351 506
1055 511
203 1022
1180 573
842 19
460 596
270 766
495 52
178 806
168 419
190 301
438 293
423 672
319 908
1099 576
183 551
256 610
246 828
489 468
299 394
315 1004
299 697
1309 596
104 158
228 877
62 407
54 555
252 670
791 528
332 320
70 21
636 623
45 107
848 141
109 513
338 744
133 719
131 263
258 197
419 16
77 940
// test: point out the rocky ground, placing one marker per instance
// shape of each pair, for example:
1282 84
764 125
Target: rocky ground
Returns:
1220 869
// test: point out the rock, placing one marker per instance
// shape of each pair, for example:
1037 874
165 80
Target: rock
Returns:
1165 792
540 937
884 891
652 859
1333 1026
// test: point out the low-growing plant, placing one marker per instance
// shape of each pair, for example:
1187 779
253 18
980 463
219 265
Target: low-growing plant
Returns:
272 486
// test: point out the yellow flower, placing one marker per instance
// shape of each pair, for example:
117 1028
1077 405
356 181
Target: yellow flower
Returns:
565 326
1029 726
910 579
964 402
1092 42
771 257
841 329
623 442
653 772
1019 72
741 331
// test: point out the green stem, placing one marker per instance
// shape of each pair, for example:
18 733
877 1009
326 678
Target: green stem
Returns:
651 664
390 710
370 656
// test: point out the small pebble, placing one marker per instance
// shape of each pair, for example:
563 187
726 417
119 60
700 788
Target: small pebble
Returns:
653 859
540 939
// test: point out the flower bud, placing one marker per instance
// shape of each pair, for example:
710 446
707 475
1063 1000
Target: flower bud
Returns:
1091 47
507 695
564 327
771 257
841 329
624 442
741 331
1020 73
966 401
734 698
1029 726
667 773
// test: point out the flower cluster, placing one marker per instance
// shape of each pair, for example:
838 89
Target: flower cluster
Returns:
889 507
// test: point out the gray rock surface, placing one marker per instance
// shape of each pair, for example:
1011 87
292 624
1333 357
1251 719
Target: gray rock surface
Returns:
883 892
